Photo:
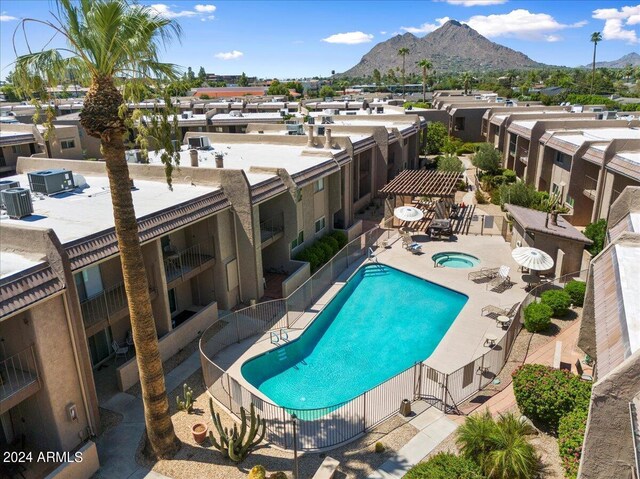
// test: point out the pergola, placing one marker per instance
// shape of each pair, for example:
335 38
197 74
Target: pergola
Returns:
433 184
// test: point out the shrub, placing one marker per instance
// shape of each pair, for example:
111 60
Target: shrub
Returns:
537 317
480 199
257 472
310 256
445 466
545 394
596 233
437 135
468 148
379 447
558 300
509 175
340 237
576 289
570 437
450 163
324 249
487 158
332 242
521 194
495 197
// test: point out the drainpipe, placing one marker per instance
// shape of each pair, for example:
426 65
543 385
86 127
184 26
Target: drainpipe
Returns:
235 237
78 369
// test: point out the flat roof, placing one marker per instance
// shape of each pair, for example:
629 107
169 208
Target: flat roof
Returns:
628 259
247 116
83 212
596 134
12 262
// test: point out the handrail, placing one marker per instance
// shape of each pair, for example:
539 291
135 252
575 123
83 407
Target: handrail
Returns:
18 371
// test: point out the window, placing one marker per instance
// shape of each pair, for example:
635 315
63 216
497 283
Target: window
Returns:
318 185
555 189
67 144
570 201
173 303
298 241
459 124
14 149
320 224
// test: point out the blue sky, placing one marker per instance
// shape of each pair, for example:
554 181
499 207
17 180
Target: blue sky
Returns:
306 38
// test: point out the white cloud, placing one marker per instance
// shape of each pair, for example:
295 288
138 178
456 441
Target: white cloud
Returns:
519 23
552 38
383 33
616 20
205 8
167 11
349 38
232 55
426 27
475 3
6 18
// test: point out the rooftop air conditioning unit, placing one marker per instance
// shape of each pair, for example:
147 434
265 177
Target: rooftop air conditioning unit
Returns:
50 182
296 129
199 142
326 120
17 202
133 156
379 109
235 113
600 115
4 184
312 120
187 114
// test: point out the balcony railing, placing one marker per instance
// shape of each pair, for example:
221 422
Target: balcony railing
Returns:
104 305
19 378
177 265
271 227
590 187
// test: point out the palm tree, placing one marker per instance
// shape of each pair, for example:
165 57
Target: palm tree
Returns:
467 79
511 455
595 38
107 40
473 437
403 52
425 65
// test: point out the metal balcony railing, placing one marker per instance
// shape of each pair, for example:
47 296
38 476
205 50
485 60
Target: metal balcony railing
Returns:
17 373
104 305
178 264
271 227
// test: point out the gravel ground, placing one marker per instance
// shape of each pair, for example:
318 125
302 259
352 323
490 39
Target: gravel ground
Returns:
108 419
357 459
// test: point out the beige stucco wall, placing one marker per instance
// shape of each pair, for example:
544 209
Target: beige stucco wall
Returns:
79 469
65 132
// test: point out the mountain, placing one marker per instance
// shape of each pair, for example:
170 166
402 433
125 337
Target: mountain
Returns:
630 58
452 47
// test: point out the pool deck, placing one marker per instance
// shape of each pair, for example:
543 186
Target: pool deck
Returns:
463 342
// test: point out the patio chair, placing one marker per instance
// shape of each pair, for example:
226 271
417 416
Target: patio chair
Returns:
495 311
121 351
583 376
483 273
502 279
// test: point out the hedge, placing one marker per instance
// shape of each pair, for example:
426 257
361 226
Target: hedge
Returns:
570 439
445 466
537 317
576 290
322 250
545 394
558 300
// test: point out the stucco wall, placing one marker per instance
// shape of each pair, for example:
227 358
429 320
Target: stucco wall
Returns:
79 470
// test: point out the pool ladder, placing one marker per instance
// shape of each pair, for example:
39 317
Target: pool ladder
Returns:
275 337
438 265
371 256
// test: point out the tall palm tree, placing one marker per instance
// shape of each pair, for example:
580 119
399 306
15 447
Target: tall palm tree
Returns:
425 65
467 79
403 52
595 38
107 40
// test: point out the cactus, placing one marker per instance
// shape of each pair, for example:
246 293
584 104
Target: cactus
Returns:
237 444
185 404
257 472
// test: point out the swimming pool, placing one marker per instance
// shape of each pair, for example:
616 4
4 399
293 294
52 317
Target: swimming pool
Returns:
452 259
379 324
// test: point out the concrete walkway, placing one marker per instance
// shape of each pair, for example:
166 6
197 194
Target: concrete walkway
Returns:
433 428
117 447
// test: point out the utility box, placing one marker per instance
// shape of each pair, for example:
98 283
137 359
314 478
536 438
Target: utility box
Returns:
50 182
17 202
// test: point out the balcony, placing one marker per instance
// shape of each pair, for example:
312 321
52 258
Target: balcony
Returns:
523 156
186 263
271 230
19 378
590 187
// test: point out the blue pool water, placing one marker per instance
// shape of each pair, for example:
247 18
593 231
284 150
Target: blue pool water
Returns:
380 323
451 259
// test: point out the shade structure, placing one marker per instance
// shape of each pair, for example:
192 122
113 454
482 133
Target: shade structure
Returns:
532 258
408 213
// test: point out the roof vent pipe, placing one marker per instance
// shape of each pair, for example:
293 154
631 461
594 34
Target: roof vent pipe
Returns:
310 136
219 160
193 154
327 138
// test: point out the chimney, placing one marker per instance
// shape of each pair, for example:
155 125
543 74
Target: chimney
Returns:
327 138
193 154
310 136
219 160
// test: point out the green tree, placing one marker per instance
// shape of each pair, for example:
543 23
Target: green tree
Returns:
424 65
190 75
596 37
392 79
295 85
326 91
437 136
135 34
597 233
467 80
451 163
403 52
377 78
243 80
202 75
276 88
487 158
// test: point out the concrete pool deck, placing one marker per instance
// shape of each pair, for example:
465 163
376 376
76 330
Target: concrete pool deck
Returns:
465 339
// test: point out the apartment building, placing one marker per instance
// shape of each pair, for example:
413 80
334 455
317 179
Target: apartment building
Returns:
610 334
18 140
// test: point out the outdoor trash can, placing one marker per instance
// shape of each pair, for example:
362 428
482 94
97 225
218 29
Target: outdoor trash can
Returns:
405 407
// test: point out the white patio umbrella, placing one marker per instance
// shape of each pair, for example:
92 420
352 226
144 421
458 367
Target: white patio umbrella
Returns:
408 213
532 258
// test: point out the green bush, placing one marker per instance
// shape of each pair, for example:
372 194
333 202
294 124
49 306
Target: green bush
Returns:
576 290
468 148
310 256
570 437
487 158
437 135
480 199
545 394
495 197
510 176
558 300
537 317
322 250
445 466
596 232
327 252
332 242
340 237
451 163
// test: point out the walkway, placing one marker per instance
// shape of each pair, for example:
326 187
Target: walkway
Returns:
117 447
434 427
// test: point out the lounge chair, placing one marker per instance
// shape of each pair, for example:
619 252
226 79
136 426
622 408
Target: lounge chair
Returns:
410 245
502 279
495 311
483 273
121 351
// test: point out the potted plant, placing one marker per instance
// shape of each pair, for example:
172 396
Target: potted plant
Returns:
199 431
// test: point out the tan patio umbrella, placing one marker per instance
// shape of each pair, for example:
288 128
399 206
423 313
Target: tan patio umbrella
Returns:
532 258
